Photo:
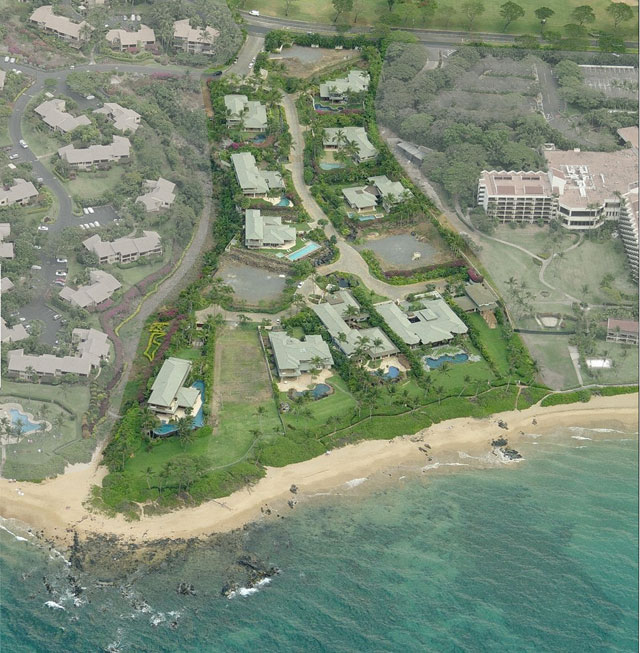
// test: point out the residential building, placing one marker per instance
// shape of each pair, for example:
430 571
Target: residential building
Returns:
388 192
295 357
360 198
336 138
628 229
102 286
22 192
431 322
123 119
266 231
373 340
65 28
55 116
6 249
6 285
92 347
248 114
160 195
581 189
193 40
478 298
124 250
126 40
625 331
96 155
169 397
3 77
415 153
12 334
253 181
338 90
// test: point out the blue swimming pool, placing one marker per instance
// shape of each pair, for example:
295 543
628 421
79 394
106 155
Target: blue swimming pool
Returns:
320 391
330 166
323 107
27 425
434 363
197 421
285 201
392 373
304 251
260 138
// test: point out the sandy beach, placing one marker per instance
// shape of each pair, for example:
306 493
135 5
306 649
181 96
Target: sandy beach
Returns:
56 506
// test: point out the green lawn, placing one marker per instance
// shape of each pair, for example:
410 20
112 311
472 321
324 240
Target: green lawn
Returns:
539 240
48 453
40 142
552 354
92 184
450 16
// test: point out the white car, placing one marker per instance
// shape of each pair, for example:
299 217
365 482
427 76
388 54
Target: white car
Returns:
83 226
22 319
23 143
6 59
90 209
13 157
61 259
85 211
61 273
96 224
90 97
43 227
36 267
12 60
254 12
37 247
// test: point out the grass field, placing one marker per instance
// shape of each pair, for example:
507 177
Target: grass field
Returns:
552 353
40 142
449 15
92 184
40 455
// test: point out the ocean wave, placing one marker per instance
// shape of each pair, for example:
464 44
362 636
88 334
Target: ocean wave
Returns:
54 606
354 482
18 538
580 437
596 430
248 591
436 465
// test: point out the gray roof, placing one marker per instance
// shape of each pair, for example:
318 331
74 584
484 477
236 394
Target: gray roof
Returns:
12 334
267 229
142 245
170 379
131 39
159 193
20 191
44 16
91 343
253 114
481 295
102 286
6 284
251 178
123 118
53 113
388 188
434 322
417 151
293 354
356 81
357 135
359 197
182 30
120 147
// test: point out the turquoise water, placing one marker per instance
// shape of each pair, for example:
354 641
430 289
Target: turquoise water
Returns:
198 418
330 166
303 251
27 425
533 556
285 201
434 363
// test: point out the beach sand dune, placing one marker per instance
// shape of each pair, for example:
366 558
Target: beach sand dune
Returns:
57 506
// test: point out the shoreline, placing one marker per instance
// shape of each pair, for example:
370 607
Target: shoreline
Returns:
55 507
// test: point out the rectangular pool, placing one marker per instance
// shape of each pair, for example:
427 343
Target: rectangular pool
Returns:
304 251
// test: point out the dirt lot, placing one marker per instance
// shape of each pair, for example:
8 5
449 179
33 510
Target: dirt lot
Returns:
306 62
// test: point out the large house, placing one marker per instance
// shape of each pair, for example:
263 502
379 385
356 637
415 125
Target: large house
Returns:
360 198
92 347
431 323
96 155
124 250
478 298
581 189
160 195
102 286
15 333
266 231
628 228
253 181
123 119
6 285
169 397
335 138
248 114
335 315
625 331
194 40
22 192
54 115
388 192
294 357
6 249
338 90
126 40
65 28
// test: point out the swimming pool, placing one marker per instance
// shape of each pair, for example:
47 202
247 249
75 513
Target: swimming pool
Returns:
285 201
260 138
197 421
304 251
330 166
434 363
392 373
319 391
27 425
322 107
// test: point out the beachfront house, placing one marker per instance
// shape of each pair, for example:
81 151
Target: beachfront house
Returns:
352 139
248 114
425 322
266 231
294 357
170 398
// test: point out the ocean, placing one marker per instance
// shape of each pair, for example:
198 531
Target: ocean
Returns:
536 555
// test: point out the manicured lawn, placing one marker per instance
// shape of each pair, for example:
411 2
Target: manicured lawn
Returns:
449 15
552 354
493 340
539 240
40 142
92 184
136 273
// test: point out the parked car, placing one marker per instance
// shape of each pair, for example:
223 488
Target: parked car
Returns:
6 59
13 157
85 210
83 226
90 97
36 267
57 316
12 60
23 143
254 12
43 227
22 319
90 209
59 282
61 273
61 259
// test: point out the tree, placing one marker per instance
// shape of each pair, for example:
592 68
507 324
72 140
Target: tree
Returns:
583 14
543 14
472 9
510 11
611 43
341 7
619 12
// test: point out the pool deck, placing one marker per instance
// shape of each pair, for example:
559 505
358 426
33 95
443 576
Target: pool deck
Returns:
305 381
4 412
390 361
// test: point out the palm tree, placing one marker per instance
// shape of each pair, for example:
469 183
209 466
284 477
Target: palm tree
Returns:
467 381
351 312
260 412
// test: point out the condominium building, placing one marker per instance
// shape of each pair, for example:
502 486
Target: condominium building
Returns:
194 40
295 357
336 138
581 189
628 228
160 195
96 155
123 119
266 231
6 249
338 90
251 115
65 28
21 192
125 40
124 250
15 333
253 181
55 116
102 286
625 331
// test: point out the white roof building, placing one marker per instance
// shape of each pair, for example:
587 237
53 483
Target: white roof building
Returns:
60 25
266 231
88 157
102 286
356 81
6 249
252 115
295 357
253 181
124 250
54 114
191 39
125 39
123 119
336 138
22 192
160 195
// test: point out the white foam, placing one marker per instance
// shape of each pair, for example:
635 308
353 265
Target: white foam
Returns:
580 437
600 430
248 591
354 482
17 537
436 465
54 606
